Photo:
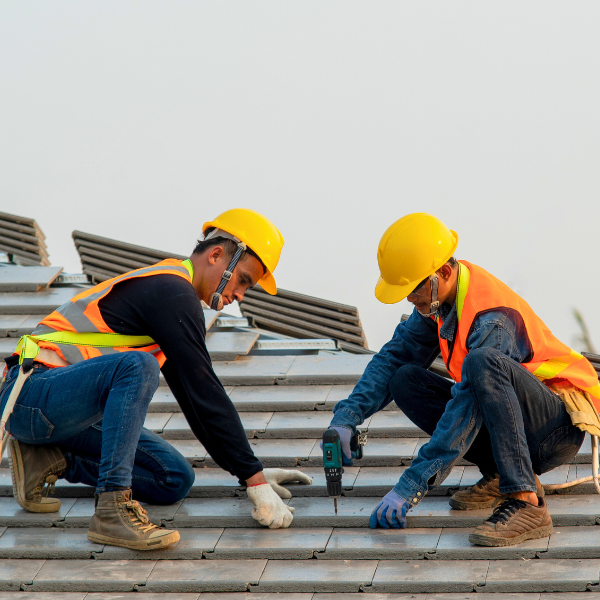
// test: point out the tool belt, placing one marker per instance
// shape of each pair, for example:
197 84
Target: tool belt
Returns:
580 407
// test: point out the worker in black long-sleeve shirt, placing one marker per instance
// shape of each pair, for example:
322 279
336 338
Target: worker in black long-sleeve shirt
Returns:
89 372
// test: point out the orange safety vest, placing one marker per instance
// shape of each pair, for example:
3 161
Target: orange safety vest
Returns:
81 316
479 292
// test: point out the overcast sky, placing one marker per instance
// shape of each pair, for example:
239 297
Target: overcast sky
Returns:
142 120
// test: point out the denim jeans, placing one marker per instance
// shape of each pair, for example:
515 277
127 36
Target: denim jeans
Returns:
94 412
504 420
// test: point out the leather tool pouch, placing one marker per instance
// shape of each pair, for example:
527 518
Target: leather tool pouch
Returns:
580 407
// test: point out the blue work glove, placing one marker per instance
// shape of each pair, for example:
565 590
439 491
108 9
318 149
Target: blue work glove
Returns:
345 437
390 513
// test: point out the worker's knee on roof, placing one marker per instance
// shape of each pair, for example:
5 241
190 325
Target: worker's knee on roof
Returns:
479 360
402 382
143 366
181 481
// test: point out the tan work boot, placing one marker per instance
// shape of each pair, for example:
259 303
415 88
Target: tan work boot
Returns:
513 522
32 467
121 521
485 494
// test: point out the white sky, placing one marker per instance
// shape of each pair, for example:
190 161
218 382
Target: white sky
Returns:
141 120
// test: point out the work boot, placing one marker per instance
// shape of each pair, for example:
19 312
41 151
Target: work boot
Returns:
513 522
32 467
121 521
485 494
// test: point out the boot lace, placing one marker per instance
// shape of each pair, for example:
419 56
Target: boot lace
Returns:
49 485
507 509
138 517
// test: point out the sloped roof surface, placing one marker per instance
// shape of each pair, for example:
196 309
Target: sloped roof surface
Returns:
284 397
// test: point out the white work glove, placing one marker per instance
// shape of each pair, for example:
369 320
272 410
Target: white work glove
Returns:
277 476
269 510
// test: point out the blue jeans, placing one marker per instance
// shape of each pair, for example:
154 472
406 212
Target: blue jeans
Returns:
504 420
94 412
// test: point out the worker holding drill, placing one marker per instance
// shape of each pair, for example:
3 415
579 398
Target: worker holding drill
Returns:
82 382
502 410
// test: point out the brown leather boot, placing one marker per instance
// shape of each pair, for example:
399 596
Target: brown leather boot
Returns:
484 494
513 522
121 521
32 467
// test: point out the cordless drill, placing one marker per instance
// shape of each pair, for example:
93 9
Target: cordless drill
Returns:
332 460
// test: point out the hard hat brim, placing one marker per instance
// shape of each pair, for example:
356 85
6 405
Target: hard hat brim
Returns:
267 283
390 294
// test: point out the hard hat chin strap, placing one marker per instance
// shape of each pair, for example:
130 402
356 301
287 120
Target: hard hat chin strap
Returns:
435 305
216 300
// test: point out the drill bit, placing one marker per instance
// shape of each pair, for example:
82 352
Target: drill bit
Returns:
335 505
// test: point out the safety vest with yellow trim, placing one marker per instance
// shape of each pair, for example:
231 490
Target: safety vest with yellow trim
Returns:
479 292
76 330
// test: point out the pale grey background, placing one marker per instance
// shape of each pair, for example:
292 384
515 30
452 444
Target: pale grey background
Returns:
141 120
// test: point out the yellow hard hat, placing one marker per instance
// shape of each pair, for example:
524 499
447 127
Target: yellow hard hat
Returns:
258 233
412 249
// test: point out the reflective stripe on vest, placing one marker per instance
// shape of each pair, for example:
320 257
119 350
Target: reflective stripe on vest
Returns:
77 331
478 292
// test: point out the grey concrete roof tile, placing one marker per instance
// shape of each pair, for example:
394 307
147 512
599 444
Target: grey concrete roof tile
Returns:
157 421
271 543
569 596
299 425
484 596
429 576
91 575
319 512
378 453
228 345
43 595
471 475
571 542
193 450
214 482
542 575
205 575
164 401
321 369
381 543
279 398
393 424
253 370
178 427
14 573
558 475
339 392
7 347
282 453
355 596
215 512
27 279
12 515
255 596
194 543
10 324
569 510
317 576
141 596
374 481
46 542
454 545
29 303
210 316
